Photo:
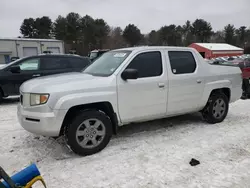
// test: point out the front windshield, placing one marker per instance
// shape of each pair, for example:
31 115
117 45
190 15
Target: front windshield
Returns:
10 64
106 64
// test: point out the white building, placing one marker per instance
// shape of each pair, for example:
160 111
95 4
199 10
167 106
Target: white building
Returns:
22 47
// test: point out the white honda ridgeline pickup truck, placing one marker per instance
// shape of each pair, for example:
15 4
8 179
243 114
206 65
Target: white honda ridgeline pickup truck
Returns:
126 86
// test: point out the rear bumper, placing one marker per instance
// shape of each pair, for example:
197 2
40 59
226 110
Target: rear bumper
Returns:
41 123
236 94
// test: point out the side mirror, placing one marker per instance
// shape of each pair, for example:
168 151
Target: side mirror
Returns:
15 69
14 58
129 74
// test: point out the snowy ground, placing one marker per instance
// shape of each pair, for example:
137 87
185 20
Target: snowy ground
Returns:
154 154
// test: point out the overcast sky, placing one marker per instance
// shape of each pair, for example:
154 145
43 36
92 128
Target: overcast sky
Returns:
146 14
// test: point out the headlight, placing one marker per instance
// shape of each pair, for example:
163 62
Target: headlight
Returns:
38 99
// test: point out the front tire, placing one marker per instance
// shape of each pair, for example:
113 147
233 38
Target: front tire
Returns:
216 109
89 132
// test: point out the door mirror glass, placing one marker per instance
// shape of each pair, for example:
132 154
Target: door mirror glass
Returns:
15 69
129 74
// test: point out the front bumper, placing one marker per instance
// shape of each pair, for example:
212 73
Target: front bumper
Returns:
41 123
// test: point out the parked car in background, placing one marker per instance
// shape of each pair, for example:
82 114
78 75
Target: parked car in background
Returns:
125 86
14 74
244 65
97 53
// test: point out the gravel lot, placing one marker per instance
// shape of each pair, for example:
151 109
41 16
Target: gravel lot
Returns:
154 154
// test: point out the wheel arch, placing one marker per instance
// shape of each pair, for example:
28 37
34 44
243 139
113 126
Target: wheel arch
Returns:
224 90
105 107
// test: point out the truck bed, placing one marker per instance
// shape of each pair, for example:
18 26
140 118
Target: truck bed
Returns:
245 69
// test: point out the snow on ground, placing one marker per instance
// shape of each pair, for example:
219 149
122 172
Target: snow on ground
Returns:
148 155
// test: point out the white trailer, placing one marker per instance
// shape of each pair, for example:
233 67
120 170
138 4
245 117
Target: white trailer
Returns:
22 47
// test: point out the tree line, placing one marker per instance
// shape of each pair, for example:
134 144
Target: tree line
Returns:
86 33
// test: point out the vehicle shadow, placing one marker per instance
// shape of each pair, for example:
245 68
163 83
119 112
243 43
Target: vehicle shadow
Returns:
152 126
58 150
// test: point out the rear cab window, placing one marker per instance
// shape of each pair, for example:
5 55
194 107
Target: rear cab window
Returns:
182 62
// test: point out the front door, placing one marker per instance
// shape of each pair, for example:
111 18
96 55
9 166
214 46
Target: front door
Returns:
186 83
29 68
146 97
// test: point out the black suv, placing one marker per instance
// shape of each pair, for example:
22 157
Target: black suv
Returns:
14 74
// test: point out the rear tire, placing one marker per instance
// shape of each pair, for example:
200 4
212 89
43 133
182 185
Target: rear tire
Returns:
216 109
89 132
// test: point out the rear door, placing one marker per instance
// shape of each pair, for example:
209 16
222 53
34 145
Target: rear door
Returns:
79 63
186 82
54 65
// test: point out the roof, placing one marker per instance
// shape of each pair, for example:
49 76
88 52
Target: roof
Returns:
29 39
59 55
140 48
218 46
55 55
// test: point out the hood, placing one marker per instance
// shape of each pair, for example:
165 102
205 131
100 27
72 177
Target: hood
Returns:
64 82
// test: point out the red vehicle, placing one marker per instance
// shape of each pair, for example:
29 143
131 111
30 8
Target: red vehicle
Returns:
245 68
244 65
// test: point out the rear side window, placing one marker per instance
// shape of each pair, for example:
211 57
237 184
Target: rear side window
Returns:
148 64
55 63
182 62
79 62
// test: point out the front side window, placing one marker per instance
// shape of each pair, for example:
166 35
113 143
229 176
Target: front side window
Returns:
106 64
30 64
182 62
148 64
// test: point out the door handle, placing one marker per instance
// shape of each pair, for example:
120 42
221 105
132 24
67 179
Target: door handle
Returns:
161 85
36 75
198 81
